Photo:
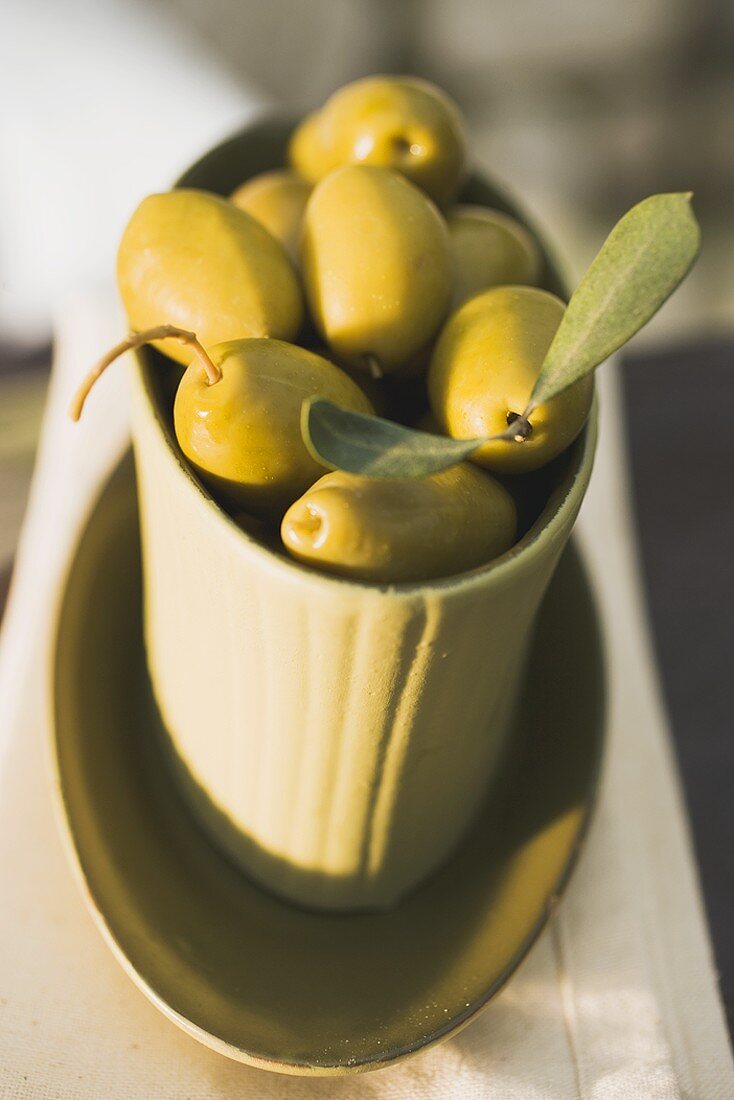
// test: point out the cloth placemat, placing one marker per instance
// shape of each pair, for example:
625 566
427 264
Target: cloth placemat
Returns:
617 1000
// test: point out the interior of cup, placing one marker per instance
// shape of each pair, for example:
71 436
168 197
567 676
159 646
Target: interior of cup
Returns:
261 147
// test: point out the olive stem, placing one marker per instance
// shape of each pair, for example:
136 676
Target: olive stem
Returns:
136 340
519 428
374 366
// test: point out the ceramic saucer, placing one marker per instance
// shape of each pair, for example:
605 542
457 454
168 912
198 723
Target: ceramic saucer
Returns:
246 974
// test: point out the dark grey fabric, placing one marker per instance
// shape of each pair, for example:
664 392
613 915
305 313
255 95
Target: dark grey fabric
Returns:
679 406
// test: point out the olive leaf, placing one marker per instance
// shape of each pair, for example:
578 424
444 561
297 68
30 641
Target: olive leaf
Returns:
644 258
368 445
642 261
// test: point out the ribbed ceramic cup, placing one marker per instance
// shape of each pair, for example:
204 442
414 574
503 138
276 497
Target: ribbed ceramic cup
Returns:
336 739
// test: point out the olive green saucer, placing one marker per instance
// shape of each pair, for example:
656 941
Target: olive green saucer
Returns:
246 974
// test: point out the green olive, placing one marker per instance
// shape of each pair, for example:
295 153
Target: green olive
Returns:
392 532
305 153
372 388
391 121
194 260
243 434
483 370
277 200
490 249
376 266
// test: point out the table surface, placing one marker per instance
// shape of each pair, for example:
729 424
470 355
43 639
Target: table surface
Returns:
685 520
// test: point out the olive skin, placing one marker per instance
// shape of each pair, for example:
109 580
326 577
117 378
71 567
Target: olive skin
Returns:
490 249
307 157
192 259
376 266
395 122
401 531
483 370
243 434
277 200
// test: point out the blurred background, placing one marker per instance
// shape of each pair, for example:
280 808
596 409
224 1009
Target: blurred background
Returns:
581 106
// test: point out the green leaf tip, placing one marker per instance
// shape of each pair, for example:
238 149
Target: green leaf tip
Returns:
341 439
645 257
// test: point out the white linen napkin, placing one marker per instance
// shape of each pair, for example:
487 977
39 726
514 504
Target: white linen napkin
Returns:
618 999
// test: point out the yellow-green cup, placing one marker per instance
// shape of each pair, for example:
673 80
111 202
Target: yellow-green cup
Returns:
335 738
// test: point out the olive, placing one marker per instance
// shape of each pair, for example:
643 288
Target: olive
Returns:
394 122
490 249
482 372
373 388
243 435
404 530
305 153
277 200
376 266
237 415
197 261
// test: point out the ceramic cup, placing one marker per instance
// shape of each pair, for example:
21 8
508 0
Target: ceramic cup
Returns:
335 738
